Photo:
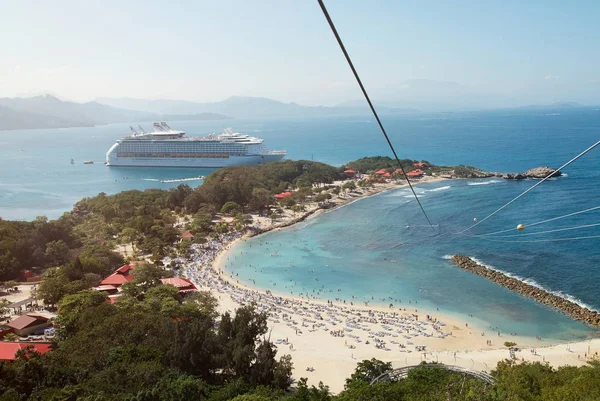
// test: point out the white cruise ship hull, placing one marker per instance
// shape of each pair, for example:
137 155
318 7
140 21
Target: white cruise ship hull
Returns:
250 160
165 147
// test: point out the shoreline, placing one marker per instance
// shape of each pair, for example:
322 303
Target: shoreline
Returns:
459 320
334 358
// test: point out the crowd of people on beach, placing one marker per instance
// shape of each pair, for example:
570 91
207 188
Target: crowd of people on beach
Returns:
382 329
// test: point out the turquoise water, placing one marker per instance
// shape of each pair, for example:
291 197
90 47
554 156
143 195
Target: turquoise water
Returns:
379 247
36 178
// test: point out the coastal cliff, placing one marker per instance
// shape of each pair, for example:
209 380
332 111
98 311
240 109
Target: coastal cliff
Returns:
537 172
544 297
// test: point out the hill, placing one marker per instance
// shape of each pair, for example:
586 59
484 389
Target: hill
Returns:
47 111
240 107
13 119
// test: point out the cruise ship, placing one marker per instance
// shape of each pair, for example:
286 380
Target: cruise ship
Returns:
166 147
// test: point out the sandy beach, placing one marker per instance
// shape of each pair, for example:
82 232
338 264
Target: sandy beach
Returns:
331 337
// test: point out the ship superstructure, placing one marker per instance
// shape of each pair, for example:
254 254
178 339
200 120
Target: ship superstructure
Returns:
166 147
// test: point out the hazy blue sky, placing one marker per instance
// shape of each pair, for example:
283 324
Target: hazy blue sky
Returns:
283 49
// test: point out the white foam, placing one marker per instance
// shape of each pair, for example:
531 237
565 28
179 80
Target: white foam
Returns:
440 188
534 283
150 179
484 182
447 257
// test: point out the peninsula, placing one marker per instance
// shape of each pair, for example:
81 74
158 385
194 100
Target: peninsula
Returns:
187 232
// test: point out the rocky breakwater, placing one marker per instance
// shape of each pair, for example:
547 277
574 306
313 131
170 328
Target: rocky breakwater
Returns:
561 304
538 172
474 172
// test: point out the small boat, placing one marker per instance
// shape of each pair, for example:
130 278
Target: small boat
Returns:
88 162
72 161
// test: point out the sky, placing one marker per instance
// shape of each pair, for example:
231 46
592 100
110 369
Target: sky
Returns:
503 51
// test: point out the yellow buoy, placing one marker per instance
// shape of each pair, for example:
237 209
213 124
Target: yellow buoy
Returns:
520 227
475 219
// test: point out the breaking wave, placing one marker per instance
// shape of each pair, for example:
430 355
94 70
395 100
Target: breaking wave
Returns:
534 283
484 182
440 188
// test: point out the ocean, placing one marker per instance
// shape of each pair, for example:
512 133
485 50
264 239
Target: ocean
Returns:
352 248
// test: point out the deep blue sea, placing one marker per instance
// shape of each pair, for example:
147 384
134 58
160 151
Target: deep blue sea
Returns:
351 248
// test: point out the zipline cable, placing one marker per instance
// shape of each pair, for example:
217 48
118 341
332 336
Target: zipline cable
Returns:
542 240
339 40
539 222
549 231
532 187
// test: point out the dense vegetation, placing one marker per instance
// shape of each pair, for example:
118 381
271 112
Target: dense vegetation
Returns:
370 164
146 219
152 344
160 347
44 243
367 164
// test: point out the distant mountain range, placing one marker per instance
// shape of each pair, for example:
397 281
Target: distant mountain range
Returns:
242 107
436 96
47 111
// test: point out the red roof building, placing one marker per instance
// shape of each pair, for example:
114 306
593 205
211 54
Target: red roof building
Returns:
8 350
187 235
107 288
182 284
421 164
387 174
349 171
122 275
27 324
125 274
415 173
283 195
381 172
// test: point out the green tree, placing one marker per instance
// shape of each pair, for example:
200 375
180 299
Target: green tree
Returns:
72 306
131 236
368 370
53 286
349 186
298 208
261 199
57 252
11 337
230 208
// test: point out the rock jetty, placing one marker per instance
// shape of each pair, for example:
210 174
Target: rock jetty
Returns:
561 304
538 172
